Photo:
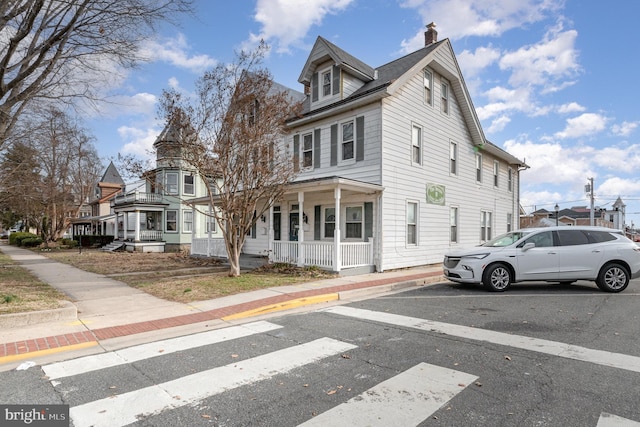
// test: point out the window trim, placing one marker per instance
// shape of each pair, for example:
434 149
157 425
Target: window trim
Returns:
428 87
325 222
479 168
169 186
496 173
321 85
341 141
445 106
167 221
453 158
510 179
509 222
304 151
486 226
193 184
347 222
419 144
454 224
415 224
187 226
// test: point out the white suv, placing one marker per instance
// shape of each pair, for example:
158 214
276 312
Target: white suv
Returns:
552 254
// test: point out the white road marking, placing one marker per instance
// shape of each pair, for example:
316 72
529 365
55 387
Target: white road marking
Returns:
610 420
404 400
140 352
554 348
126 408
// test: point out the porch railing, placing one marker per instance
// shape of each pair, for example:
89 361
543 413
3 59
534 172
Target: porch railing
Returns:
322 254
208 247
145 235
137 197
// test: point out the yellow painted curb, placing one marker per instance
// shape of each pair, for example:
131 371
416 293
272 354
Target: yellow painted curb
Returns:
283 306
33 354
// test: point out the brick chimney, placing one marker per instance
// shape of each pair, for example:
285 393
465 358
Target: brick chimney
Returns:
431 35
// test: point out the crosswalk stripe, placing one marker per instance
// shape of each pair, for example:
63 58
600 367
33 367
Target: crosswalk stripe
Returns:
144 351
559 349
406 399
610 420
125 408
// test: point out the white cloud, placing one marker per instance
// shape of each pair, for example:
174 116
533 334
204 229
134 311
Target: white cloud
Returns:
545 63
462 18
472 63
498 124
175 51
624 129
615 186
122 106
139 140
572 107
619 159
586 124
286 22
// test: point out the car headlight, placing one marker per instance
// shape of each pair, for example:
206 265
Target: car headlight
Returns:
477 256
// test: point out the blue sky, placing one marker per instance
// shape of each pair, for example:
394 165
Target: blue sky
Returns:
553 82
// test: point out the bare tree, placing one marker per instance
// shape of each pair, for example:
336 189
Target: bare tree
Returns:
232 135
56 50
51 171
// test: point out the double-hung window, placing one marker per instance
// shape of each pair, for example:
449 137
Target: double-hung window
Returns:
453 225
353 222
188 184
478 167
171 220
329 222
444 98
496 172
485 225
412 223
428 84
509 222
307 150
510 179
187 221
348 140
325 77
171 184
453 158
416 145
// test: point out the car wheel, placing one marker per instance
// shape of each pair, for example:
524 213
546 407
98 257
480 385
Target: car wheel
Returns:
496 278
613 278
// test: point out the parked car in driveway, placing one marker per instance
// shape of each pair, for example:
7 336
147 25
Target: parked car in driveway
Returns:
552 254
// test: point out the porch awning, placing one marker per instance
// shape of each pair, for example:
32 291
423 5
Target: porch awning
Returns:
318 184
92 219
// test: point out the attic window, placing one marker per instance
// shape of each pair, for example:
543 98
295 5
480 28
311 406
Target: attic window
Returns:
428 83
326 83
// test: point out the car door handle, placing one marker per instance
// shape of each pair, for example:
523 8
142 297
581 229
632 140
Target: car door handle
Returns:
596 251
552 253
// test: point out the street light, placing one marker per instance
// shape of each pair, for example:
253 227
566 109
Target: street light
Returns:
557 208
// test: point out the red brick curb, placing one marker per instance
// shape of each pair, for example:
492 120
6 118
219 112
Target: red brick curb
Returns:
28 346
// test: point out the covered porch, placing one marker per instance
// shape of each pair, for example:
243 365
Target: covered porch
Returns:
330 223
138 221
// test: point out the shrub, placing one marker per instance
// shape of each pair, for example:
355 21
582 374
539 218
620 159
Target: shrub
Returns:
31 242
17 237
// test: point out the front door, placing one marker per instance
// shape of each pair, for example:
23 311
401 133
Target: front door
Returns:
294 226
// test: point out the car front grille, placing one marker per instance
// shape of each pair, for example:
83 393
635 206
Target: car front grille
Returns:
451 261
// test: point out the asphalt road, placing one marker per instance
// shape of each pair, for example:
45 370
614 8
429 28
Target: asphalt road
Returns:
441 355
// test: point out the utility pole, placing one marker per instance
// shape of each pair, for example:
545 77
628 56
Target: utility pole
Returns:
589 190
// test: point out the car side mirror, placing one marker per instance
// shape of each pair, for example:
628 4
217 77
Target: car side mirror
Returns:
528 246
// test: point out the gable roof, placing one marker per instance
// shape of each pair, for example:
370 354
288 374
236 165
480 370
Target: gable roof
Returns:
323 50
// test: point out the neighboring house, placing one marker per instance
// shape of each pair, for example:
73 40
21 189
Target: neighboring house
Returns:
577 215
152 215
97 217
394 168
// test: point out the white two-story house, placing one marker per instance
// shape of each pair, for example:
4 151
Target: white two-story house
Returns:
394 167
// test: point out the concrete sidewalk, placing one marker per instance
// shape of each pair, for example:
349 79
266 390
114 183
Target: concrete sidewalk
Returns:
105 310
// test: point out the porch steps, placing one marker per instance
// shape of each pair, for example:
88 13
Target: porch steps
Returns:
113 246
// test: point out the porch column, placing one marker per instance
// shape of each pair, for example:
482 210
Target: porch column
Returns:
194 227
337 262
136 228
300 229
210 221
115 229
125 224
271 233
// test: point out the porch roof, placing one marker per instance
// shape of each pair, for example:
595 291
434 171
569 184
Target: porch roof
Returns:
317 184
91 219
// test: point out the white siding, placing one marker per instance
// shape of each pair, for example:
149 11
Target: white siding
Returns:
405 181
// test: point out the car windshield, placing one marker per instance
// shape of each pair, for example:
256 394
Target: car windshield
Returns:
506 239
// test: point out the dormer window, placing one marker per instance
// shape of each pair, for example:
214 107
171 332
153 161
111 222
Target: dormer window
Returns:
326 83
